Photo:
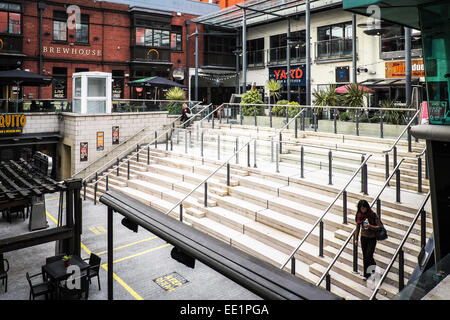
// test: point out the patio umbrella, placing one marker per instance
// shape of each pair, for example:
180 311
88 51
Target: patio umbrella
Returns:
22 78
344 89
155 82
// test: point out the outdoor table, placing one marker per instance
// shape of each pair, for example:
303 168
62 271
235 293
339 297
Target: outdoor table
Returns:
56 271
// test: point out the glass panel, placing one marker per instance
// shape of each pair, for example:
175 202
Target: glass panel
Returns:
165 36
78 87
149 37
59 31
348 31
14 23
77 105
157 38
179 42
3 22
173 41
82 34
14 7
337 32
3 6
140 32
323 33
96 87
96 106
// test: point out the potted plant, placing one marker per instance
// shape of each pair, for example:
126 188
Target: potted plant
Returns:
175 93
66 260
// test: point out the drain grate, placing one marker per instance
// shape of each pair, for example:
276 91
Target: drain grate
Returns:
171 281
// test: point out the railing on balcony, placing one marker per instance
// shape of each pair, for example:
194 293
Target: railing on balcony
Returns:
333 49
278 55
35 105
221 59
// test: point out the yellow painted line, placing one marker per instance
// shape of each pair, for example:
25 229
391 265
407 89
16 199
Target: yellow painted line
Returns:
141 253
50 199
94 230
102 229
120 281
123 284
128 245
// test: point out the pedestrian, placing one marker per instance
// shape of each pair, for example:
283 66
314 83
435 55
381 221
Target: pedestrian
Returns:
185 114
368 222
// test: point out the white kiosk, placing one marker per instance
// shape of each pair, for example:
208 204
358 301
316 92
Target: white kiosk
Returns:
91 92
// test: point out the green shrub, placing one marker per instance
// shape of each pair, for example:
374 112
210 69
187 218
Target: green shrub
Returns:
252 97
343 116
393 116
174 93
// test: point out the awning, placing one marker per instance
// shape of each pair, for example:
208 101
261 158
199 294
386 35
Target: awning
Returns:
402 12
387 82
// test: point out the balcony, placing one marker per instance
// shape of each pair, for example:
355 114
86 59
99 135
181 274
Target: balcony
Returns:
278 55
150 54
333 49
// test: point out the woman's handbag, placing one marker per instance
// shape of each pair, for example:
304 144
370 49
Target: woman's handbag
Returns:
382 233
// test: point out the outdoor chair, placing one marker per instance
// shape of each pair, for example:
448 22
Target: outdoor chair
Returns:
49 260
67 293
94 267
38 289
4 268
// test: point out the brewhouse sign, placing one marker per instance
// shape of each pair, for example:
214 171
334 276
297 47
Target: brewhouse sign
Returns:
12 123
80 52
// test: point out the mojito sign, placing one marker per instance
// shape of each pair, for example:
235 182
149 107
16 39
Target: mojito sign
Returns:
297 75
12 123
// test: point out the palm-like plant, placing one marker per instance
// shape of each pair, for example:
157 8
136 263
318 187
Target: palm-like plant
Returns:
326 97
174 93
354 97
392 116
273 87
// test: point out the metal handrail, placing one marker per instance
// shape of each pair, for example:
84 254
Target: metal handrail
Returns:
207 178
403 132
353 232
400 247
211 112
120 145
320 107
287 124
327 210
418 155
127 151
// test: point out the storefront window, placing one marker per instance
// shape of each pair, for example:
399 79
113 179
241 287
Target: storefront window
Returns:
152 37
10 18
59 84
82 33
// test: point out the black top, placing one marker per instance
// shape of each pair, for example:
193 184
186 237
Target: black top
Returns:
57 270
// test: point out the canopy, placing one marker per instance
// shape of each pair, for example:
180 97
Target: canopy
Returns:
403 12
23 78
344 89
155 82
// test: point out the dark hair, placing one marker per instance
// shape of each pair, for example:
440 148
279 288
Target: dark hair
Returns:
363 203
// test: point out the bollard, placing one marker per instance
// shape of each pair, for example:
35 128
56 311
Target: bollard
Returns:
321 238
344 207
254 154
206 194
302 162
293 265
419 175
330 168
397 186
381 124
401 270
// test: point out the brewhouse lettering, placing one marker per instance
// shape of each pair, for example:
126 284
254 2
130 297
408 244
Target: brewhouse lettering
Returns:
72 51
12 123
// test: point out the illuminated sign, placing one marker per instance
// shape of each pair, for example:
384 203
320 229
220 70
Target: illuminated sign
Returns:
396 69
12 123
151 56
297 75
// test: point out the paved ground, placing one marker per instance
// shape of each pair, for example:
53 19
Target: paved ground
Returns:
141 261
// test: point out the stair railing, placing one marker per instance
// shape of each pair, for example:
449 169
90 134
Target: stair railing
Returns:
419 169
376 200
279 133
120 145
205 181
399 252
342 192
394 145
127 152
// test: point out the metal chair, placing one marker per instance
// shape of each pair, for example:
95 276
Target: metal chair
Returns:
38 289
4 271
68 293
94 267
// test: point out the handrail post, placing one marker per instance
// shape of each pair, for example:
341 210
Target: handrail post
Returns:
344 207
355 255
293 265
330 168
287 117
237 148
409 140
357 122
397 185
315 121
321 239
95 193
107 183
254 114
271 149
156 139
167 141
181 212
277 158
270 116
302 126
137 153
254 153
381 124
248 154
395 156
328 282
296 128
386 157
201 144
218 147
117 166
426 165
401 270
281 144
362 175
171 139
228 174
334 121
241 116
148 155
212 119
423 228
185 141
128 170
206 195
84 191
419 175
302 162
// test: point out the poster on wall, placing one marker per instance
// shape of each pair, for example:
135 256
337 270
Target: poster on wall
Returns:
100 141
115 135
83 151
